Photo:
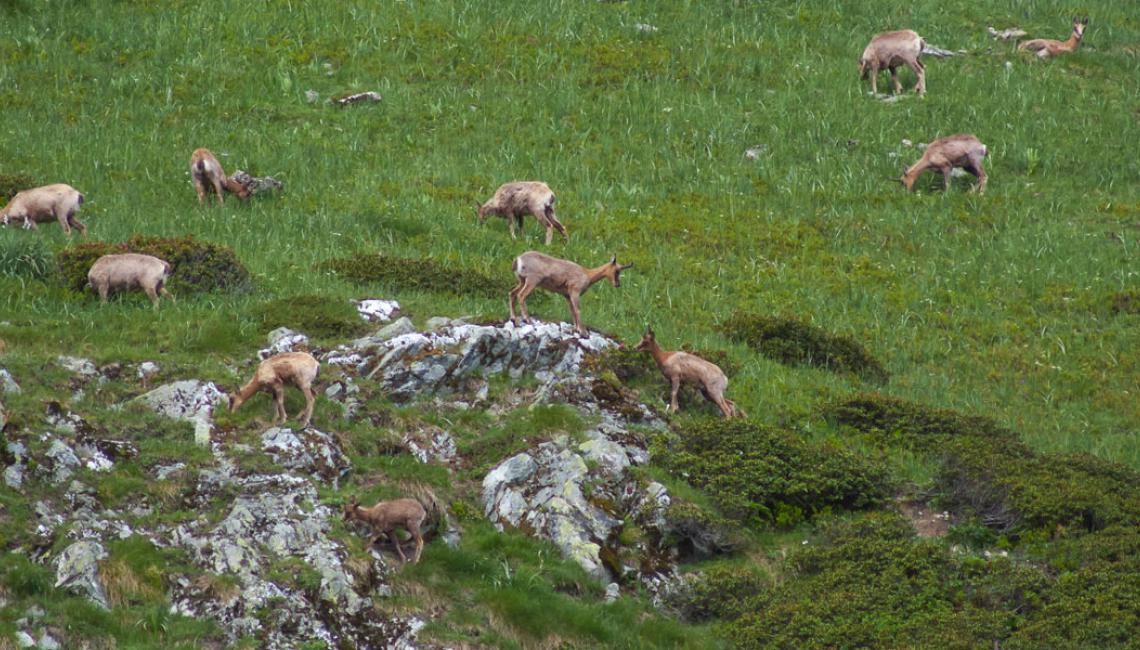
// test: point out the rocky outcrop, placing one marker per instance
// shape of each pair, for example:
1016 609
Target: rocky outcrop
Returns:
77 569
308 450
190 400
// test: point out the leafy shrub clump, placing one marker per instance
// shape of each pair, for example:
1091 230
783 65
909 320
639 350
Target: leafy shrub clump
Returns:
794 342
760 475
317 316
869 582
625 363
720 593
12 184
25 257
697 533
421 273
897 422
196 266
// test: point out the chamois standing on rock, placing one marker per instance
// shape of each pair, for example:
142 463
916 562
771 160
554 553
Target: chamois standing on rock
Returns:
515 200
890 50
206 173
130 271
1045 47
385 517
682 367
563 277
963 150
288 368
42 204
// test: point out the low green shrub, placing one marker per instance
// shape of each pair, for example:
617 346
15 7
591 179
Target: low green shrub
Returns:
316 316
760 475
196 266
895 422
12 184
420 273
625 363
25 257
1125 302
720 593
793 342
697 533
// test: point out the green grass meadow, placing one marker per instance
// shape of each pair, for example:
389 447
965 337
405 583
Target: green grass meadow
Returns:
999 305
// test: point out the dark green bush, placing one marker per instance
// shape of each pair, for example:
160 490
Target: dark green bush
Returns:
897 422
625 363
794 342
317 316
26 257
697 533
760 475
721 593
12 184
422 274
870 583
1126 302
196 266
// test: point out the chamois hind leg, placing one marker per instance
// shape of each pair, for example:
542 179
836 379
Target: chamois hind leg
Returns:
396 542
920 70
218 189
552 220
946 176
525 291
895 79
278 405
974 166
307 413
576 313
75 223
419 544
152 293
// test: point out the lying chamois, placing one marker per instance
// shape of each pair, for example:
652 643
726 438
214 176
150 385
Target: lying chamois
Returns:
288 368
42 204
560 276
1045 47
385 517
515 200
681 367
890 50
206 173
963 150
130 271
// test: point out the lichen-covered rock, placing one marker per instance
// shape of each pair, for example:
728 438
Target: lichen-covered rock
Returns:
190 400
8 383
77 569
283 340
308 450
375 310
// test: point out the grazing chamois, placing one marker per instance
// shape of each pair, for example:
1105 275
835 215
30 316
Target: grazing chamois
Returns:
963 150
38 205
563 277
206 173
288 368
130 271
890 50
682 367
1045 47
515 200
385 517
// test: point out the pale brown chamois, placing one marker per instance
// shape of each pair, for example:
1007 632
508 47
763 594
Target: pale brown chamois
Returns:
385 517
890 50
207 174
515 200
288 368
963 150
1045 47
130 271
563 277
683 367
38 205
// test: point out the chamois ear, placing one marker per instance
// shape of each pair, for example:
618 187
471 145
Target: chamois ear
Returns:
648 330
613 260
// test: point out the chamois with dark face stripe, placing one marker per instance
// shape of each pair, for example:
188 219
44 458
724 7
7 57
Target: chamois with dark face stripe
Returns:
535 270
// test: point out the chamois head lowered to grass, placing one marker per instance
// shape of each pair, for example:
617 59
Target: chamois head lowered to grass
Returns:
963 150
890 50
563 277
513 201
289 368
42 204
1045 47
386 516
206 173
683 367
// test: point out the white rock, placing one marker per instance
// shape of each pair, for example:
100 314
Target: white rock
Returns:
373 310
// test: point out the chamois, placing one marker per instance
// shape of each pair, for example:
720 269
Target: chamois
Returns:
130 271
963 150
890 50
294 368
1045 47
385 517
206 173
43 204
682 367
515 200
563 277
